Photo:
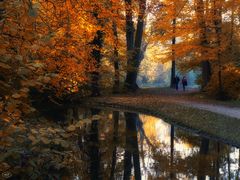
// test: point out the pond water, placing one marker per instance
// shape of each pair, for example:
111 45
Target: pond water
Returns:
105 144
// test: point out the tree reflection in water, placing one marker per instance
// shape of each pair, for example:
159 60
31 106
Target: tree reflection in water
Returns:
204 147
115 137
167 151
107 145
94 149
131 147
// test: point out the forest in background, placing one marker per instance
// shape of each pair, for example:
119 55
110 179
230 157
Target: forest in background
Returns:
63 48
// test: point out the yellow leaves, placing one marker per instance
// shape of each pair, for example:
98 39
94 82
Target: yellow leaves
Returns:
4 66
34 131
4 166
64 144
25 90
50 136
27 109
30 83
71 128
19 58
51 130
45 140
11 107
5 117
46 79
1 106
35 47
65 135
96 117
16 96
57 141
37 64
32 138
79 124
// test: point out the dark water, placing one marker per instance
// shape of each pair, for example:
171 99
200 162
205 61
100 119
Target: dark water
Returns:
121 145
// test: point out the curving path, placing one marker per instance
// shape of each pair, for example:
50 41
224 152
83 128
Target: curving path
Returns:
184 98
161 95
220 109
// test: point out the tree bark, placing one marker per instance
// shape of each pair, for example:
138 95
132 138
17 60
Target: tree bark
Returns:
96 54
218 29
116 60
131 149
205 64
173 68
115 137
133 47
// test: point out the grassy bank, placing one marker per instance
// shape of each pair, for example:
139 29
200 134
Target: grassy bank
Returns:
208 124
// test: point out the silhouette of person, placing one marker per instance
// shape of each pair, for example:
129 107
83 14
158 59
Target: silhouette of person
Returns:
184 83
176 82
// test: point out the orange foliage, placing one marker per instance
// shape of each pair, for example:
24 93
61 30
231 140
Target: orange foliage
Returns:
231 82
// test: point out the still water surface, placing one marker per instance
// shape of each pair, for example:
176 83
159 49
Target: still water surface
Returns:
123 145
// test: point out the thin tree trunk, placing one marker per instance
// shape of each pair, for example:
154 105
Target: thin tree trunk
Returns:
238 171
116 60
115 136
202 158
232 27
173 69
172 174
218 163
229 163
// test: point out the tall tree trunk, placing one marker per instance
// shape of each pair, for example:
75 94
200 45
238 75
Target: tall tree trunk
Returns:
218 29
133 47
173 68
205 64
96 54
131 151
217 160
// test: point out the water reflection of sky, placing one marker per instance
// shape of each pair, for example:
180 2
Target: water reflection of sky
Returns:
159 133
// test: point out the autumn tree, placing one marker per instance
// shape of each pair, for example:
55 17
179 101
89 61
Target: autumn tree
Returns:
203 42
134 43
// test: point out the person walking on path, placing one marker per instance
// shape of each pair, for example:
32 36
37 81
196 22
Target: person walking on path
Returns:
184 83
176 82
